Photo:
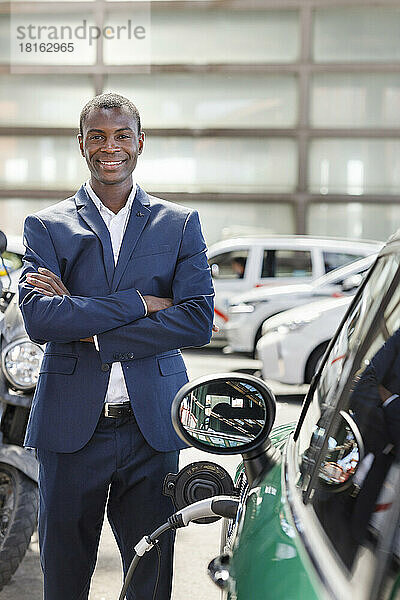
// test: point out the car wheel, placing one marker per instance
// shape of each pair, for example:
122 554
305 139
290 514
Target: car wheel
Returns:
258 336
313 361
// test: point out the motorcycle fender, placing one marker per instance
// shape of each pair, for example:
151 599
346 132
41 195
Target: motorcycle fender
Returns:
22 459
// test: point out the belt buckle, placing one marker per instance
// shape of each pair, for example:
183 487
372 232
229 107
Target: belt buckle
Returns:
106 410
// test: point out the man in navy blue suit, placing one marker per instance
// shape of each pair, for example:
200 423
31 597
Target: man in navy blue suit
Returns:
115 282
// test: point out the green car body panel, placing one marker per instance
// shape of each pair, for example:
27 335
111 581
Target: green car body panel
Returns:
269 561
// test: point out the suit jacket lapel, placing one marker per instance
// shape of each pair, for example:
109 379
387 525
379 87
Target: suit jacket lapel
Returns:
89 213
137 221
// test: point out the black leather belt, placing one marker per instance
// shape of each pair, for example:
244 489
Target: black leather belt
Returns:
123 409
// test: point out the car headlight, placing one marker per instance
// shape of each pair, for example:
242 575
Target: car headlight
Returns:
289 326
21 362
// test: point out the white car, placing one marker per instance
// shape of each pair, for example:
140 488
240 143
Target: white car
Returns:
248 312
241 264
294 341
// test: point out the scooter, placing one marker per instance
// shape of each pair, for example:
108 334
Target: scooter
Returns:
20 363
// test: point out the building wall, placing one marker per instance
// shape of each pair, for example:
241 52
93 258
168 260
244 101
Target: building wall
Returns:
267 116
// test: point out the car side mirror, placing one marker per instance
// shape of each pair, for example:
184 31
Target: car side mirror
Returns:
352 283
215 271
3 242
228 413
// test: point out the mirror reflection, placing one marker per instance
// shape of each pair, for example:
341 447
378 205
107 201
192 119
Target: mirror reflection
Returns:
224 414
342 457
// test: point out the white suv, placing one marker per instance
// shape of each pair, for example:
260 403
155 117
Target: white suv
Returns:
240 264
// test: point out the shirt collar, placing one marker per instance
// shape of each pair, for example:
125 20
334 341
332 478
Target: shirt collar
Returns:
102 208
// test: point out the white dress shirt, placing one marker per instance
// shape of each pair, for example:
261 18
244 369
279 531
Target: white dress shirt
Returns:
116 225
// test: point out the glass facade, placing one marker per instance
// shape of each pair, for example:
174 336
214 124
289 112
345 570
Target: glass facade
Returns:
180 36
226 219
355 166
218 164
43 100
42 38
207 100
354 219
14 210
357 34
355 100
34 162
269 120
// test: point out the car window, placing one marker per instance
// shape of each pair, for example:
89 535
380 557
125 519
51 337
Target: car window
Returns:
286 263
337 276
229 265
12 261
333 260
349 441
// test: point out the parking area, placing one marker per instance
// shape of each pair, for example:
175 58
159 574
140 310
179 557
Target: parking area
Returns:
196 545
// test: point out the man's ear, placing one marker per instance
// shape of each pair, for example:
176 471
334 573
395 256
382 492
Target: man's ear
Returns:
141 142
80 142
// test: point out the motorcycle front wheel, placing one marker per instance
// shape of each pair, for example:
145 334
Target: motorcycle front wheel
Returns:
18 517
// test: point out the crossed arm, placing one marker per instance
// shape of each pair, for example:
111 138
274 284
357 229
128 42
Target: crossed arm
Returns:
52 314
50 284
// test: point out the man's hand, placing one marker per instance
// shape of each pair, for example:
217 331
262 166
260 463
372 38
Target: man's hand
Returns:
154 304
49 284
384 393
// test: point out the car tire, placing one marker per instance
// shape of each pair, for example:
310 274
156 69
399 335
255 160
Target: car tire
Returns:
258 336
18 517
313 361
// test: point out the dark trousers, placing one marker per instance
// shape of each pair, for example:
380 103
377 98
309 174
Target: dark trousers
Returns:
117 469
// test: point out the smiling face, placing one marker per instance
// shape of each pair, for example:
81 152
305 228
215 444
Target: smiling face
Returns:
111 144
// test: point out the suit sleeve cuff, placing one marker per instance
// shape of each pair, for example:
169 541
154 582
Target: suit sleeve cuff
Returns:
390 399
96 343
144 303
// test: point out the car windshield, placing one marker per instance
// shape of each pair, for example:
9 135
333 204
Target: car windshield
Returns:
338 275
348 440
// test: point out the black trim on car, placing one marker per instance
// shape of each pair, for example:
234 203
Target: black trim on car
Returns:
286 493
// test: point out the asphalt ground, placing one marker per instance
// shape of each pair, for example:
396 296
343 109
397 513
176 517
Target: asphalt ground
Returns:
196 545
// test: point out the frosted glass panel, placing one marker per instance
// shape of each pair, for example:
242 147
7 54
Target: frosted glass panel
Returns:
210 1
218 164
47 100
42 39
15 1
353 220
41 162
212 36
221 220
210 99
14 210
4 39
355 100
356 166
357 34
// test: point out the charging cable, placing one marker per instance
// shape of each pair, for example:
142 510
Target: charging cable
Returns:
220 506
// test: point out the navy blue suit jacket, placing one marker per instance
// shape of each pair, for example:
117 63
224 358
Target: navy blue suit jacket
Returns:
162 254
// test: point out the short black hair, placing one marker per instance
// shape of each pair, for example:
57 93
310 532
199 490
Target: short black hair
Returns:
109 100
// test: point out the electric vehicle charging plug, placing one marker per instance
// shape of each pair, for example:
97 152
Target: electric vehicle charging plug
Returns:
221 506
